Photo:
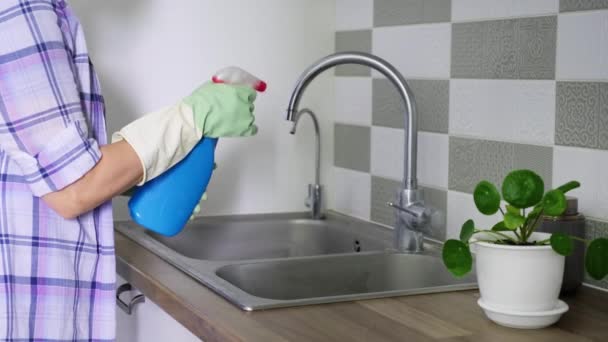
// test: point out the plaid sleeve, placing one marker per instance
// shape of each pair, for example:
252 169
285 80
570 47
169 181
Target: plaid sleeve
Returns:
42 124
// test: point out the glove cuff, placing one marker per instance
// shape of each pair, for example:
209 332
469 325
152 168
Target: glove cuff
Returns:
161 139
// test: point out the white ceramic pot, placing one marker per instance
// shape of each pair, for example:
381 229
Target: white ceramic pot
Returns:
520 278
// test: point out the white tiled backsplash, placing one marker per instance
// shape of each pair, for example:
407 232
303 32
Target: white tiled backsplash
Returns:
499 84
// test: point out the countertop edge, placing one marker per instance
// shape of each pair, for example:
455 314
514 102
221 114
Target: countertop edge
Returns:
211 318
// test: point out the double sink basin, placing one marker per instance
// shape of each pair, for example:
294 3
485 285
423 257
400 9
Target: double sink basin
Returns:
279 260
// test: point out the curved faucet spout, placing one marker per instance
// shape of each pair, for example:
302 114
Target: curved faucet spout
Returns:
374 62
315 122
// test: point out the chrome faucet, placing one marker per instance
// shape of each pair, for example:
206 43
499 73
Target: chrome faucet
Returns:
412 216
314 199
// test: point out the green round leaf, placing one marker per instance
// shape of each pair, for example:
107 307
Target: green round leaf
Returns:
523 188
467 230
457 257
513 221
562 244
596 260
515 211
487 198
554 203
500 227
569 186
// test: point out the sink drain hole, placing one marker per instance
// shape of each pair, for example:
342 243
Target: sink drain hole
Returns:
357 246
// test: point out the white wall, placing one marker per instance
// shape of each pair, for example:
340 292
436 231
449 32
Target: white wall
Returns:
150 53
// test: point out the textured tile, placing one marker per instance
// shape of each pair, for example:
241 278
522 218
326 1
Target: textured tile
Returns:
582 52
581 5
354 14
384 190
464 172
360 41
494 160
595 229
536 39
352 147
492 9
589 168
417 51
387 105
474 160
353 100
512 110
537 158
578 114
404 12
603 122
352 192
432 103
515 48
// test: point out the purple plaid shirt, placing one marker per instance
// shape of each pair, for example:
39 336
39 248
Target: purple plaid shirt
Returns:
56 275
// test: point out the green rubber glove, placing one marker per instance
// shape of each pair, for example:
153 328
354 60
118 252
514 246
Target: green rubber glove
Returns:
222 110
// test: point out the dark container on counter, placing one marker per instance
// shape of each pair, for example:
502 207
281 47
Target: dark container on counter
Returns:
571 223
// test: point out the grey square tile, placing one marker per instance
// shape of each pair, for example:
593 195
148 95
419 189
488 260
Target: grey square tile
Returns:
536 158
464 173
494 160
473 160
404 12
432 102
360 41
581 5
577 114
505 49
352 147
603 117
468 50
387 106
536 44
383 190
595 229
500 49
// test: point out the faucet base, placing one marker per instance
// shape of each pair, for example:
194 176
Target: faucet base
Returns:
409 227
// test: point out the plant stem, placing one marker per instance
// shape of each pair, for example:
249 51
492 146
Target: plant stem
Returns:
502 211
516 234
579 239
532 228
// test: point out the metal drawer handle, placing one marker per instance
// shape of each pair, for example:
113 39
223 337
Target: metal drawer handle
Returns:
128 308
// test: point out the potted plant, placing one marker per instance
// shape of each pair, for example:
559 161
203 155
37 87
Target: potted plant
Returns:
519 271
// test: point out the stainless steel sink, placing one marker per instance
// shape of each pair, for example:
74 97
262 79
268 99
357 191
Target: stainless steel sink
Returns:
278 260
266 237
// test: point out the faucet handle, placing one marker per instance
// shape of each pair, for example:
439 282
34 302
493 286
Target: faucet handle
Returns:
406 210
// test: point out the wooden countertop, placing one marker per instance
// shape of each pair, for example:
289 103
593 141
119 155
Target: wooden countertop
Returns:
445 317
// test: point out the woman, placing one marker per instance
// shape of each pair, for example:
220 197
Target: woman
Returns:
57 174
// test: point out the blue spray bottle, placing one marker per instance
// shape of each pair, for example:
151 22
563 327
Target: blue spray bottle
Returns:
165 204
